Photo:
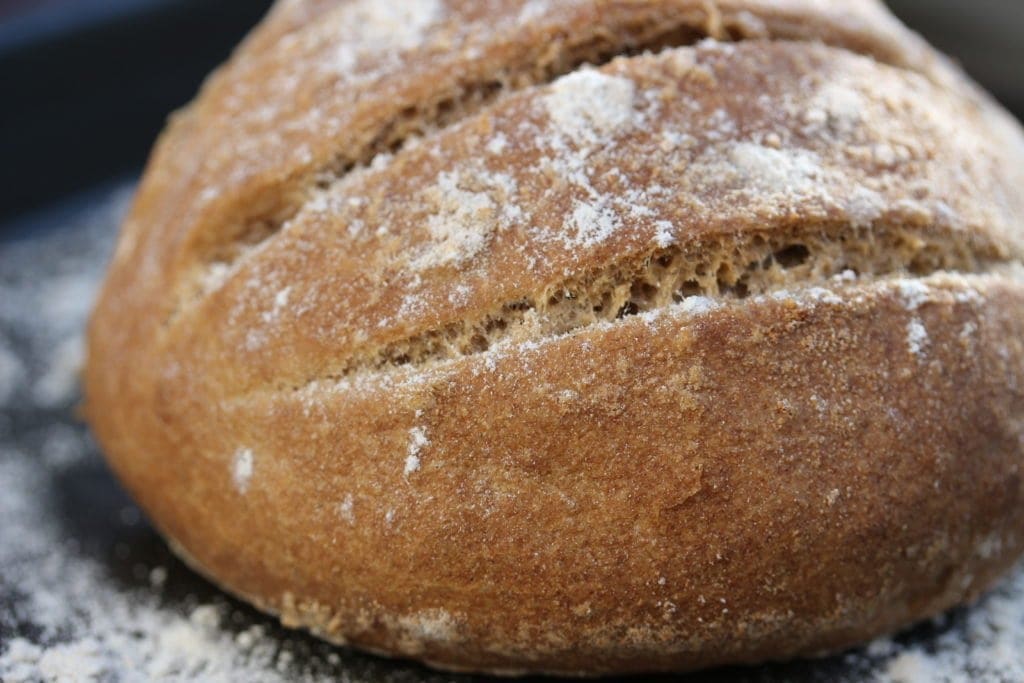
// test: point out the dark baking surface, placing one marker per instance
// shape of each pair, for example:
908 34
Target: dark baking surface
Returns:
55 227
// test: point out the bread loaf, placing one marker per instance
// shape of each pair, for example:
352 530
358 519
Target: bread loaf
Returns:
581 337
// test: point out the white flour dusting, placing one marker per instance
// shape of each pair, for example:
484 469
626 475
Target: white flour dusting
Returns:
696 305
665 237
914 293
460 227
280 301
592 223
346 510
370 29
587 105
843 106
497 144
864 207
587 109
763 171
241 469
534 9
917 337
429 624
417 440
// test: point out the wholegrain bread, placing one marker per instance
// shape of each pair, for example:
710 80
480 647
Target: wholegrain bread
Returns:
577 337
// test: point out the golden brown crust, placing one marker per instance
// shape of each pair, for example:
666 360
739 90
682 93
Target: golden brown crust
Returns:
577 380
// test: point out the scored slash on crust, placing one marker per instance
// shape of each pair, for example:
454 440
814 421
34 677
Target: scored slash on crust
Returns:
631 33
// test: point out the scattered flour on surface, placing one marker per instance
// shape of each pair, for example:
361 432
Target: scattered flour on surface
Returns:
983 644
12 373
88 626
47 312
913 666
59 381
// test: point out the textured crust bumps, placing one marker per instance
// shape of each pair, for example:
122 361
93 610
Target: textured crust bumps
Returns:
705 356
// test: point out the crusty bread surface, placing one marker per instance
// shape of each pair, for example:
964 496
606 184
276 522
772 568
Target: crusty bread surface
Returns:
577 337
